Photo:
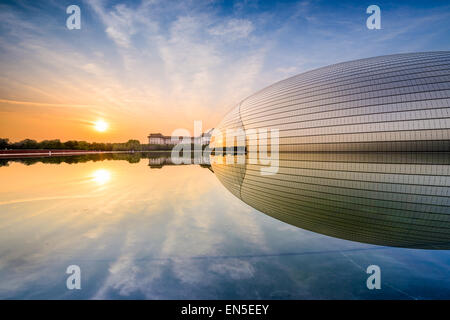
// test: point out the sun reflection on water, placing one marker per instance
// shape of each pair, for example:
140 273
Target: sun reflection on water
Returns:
101 176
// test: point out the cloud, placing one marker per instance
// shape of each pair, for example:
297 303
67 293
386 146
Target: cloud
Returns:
28 103
233 268
189 59
286 70
233 29
122 22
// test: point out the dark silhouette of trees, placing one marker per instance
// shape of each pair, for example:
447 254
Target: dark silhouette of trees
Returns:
4 143
56 144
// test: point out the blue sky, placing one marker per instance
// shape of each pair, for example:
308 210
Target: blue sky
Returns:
154 65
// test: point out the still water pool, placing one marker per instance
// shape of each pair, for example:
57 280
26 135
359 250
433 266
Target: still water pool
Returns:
141 228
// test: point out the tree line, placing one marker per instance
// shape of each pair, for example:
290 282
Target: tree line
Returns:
72 145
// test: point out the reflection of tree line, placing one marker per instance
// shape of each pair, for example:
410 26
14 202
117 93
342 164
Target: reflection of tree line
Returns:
130 157
156 159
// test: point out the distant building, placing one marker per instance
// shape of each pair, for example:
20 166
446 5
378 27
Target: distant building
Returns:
158 138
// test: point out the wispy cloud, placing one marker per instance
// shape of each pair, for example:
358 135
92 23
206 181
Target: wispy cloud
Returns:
40 104
233 29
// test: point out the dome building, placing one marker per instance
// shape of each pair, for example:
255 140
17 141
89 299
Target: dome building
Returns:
398 102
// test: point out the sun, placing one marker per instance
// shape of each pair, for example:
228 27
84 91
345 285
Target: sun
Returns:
100 125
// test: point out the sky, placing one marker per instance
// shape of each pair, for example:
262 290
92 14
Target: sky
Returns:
156 66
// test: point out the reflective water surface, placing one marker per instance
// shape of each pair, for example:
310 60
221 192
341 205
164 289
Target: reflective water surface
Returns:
392 199
140 227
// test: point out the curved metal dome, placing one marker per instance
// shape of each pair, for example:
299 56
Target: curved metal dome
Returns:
398 102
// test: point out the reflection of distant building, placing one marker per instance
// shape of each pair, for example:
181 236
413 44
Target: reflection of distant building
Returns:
168 160
159 162
158 138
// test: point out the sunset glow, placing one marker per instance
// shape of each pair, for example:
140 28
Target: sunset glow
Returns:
171 64
101 126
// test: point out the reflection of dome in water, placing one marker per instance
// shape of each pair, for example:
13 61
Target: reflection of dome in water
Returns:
389 103
392 103
392 199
